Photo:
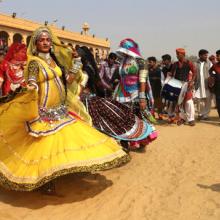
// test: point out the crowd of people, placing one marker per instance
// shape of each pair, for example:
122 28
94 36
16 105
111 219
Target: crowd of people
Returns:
191 83
62 112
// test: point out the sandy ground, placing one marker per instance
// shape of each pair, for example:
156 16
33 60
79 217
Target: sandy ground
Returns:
173 179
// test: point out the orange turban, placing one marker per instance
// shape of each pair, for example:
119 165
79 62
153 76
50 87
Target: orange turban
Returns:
181 51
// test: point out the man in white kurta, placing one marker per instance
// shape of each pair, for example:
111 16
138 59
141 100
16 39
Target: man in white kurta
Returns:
202 93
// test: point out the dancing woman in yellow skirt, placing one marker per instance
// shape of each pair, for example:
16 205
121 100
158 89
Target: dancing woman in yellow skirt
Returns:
40 139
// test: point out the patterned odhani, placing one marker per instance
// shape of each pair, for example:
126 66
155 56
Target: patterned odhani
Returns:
11 69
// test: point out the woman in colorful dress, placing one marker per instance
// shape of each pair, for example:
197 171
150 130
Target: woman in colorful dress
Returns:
39 138
108 115
12 67
134 88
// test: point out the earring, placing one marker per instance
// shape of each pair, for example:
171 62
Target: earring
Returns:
34 52
51 49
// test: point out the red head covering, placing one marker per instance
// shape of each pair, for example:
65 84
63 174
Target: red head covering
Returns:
181 51
14 48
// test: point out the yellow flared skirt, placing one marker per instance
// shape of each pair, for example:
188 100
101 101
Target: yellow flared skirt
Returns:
27 162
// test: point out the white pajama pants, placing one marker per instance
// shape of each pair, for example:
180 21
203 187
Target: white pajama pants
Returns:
189 113
204 106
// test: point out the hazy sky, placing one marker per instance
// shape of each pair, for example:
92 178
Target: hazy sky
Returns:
158 26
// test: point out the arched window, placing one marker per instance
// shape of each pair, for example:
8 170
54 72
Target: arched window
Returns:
97 55
92 51
17 38
4 37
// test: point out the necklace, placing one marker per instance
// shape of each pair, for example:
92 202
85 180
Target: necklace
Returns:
46 57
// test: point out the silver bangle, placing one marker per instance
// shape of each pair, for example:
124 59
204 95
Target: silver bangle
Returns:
33 84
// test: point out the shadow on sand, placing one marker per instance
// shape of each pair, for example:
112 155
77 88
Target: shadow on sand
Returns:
214 120
71 188
213 187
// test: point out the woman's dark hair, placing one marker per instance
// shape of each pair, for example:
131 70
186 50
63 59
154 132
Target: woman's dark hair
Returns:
90 67
218 52
62 69
87 56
